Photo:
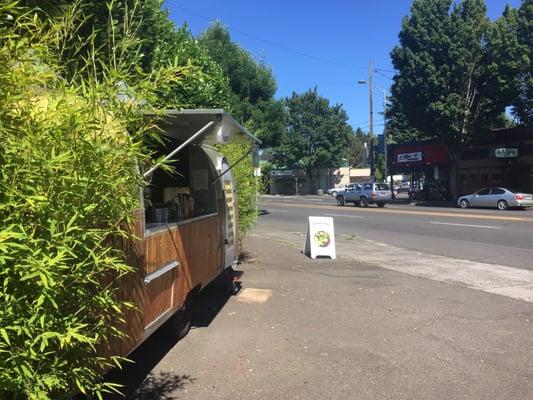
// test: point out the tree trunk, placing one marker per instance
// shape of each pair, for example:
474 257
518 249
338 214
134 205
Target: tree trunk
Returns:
455 158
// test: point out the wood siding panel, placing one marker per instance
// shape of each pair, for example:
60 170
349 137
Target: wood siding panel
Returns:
203 247
197 245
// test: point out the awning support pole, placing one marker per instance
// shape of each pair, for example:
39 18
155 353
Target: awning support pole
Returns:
230 167
180 147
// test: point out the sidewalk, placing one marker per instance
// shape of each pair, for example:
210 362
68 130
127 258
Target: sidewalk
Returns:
345 329
506 281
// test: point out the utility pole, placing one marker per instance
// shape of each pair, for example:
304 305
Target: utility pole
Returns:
371 86
385 137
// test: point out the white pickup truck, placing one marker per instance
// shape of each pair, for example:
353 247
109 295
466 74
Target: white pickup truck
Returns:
339 189
363 194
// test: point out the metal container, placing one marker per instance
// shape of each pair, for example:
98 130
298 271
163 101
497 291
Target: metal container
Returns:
160 214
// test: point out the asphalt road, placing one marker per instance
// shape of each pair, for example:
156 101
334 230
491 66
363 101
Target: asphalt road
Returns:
488 236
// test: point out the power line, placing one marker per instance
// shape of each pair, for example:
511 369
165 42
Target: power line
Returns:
383 75
280 46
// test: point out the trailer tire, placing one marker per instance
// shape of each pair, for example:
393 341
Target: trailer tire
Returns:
180 323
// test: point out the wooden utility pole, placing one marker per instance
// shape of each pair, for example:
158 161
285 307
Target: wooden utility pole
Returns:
371 85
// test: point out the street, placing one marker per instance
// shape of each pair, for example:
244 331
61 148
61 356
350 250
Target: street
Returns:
379 322
484 235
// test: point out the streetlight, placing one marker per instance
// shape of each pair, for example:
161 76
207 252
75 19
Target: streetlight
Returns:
372 86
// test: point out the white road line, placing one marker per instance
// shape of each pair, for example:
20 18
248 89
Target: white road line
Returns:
345 216
465 225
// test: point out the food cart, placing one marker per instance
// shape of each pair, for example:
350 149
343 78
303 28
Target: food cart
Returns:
187 232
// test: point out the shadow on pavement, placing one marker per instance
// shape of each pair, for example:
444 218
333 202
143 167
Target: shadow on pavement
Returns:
137 378
161 386
210 302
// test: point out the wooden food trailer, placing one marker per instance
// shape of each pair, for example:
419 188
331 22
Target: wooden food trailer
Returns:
187 228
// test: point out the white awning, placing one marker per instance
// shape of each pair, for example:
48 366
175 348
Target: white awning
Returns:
207 127
182 124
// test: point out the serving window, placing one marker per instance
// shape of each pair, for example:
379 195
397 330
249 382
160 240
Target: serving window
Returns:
184 192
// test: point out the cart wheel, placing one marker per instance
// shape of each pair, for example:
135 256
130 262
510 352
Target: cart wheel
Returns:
180 323
235 288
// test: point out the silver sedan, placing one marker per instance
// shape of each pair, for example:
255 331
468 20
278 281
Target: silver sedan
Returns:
498 197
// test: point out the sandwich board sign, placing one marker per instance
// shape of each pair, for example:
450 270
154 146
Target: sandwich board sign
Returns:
320 239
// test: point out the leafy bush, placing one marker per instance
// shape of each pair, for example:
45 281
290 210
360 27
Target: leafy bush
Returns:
246 184
68 185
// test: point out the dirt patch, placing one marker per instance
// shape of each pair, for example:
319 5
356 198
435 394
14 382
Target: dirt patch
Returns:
250 295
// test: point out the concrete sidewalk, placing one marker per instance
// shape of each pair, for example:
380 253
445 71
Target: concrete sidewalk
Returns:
343 329
506 281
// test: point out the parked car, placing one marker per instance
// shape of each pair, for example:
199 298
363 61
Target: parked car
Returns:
363 194
339 189
403 187
498 197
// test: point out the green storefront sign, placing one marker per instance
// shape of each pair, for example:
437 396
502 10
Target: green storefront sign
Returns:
505 152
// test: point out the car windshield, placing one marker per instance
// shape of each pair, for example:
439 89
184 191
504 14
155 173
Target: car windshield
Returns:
382 186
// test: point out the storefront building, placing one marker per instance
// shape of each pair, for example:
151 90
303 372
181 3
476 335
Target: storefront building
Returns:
426 162
502 157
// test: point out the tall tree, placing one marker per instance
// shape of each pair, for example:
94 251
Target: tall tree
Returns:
421 60
523 103
317 136
358 145
444 87
252 85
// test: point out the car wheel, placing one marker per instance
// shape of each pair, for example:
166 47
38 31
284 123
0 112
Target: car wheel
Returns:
381 205
502 205
464 203
363 202
340 200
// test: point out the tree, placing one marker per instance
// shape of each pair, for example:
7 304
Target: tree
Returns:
252 85
317 134
445 88
358 144
424 45
506 58
523 102
137 38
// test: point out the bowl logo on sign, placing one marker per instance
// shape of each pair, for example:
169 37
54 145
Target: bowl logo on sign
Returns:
322 239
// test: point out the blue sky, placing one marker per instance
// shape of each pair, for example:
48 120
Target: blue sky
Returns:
342 36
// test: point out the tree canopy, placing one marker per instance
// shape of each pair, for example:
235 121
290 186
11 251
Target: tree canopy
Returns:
457 72
317 133
252 85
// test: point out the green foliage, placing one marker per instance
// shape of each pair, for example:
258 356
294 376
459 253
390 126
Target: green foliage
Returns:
206 87
356 150
252 86
523 102
457 72
68 185
318 133
246 184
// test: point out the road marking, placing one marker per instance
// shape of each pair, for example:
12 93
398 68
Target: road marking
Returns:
409 212
345 216
466 225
